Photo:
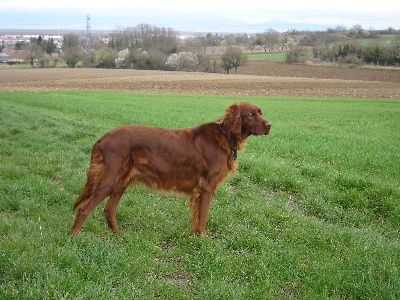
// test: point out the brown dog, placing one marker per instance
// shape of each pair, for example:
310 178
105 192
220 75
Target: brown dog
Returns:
192 161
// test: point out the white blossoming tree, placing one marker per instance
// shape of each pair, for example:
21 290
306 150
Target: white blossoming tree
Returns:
172 61
122 61
184 61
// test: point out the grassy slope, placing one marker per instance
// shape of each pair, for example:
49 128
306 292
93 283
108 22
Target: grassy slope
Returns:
312 213
385 41
268 56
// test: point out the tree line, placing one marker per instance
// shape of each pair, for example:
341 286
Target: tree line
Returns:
140 47
150 47
356 54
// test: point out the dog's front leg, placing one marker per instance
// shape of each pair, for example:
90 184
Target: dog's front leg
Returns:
200 201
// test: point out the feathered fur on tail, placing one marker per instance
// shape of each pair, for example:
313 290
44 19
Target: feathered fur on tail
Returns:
95 170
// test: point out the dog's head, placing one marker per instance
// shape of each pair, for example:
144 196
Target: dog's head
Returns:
245 119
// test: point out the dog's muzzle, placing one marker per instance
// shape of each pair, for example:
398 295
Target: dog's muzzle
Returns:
268 126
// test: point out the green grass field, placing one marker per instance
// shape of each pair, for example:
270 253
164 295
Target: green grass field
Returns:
313 212
385 41
268 56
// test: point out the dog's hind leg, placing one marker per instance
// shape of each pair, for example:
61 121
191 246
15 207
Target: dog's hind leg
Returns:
107 185
110 210
84 210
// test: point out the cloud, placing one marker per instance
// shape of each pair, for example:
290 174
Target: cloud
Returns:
179 12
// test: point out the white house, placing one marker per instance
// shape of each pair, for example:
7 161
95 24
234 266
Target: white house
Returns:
4 57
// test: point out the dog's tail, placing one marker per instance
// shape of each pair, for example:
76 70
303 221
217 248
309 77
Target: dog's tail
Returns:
94 174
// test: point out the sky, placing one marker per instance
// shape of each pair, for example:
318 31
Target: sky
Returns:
202 15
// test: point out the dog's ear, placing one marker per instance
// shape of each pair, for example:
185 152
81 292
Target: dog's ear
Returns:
231 119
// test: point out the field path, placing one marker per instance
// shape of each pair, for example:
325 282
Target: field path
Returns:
261 78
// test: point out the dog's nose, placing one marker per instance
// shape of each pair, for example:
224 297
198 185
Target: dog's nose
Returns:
268 125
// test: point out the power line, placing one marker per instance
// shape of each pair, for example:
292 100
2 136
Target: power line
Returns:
88 40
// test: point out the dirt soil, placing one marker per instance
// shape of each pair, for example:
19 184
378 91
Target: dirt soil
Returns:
259 77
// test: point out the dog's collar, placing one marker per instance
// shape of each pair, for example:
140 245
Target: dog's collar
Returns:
231 144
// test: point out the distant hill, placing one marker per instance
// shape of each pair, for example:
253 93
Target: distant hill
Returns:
102 24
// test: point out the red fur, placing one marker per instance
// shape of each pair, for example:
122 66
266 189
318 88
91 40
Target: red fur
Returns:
192 161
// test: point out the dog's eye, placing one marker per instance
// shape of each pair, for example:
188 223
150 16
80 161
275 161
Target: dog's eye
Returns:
251 115
260 113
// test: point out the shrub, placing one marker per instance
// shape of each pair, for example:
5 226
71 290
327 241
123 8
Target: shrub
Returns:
141 60
209 63
153 60
184 61
121 61
296 55
106 58
351 60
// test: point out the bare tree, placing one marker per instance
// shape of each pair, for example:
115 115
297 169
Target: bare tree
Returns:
232 58
148 46
70 49
35 52
144 37
271 39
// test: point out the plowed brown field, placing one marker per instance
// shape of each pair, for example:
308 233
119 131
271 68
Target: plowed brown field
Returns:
259 77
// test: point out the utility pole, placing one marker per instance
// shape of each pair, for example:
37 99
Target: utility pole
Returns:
87 41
